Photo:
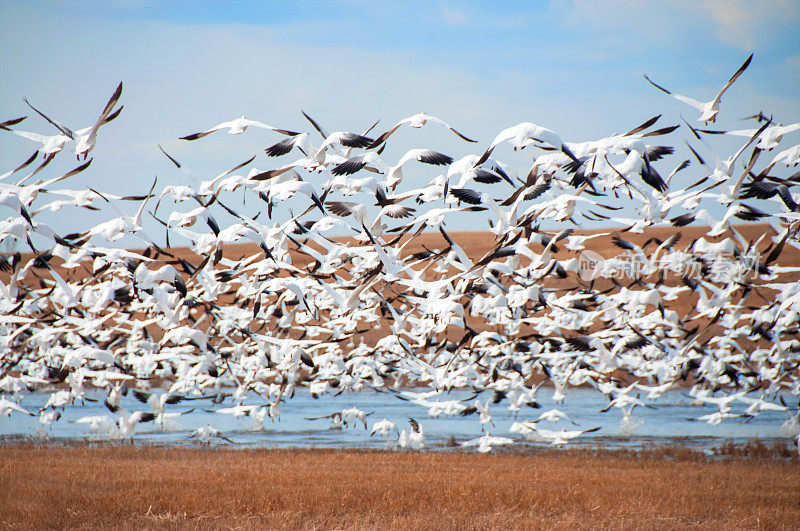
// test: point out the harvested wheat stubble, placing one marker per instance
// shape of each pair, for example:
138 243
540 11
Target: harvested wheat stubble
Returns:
145 487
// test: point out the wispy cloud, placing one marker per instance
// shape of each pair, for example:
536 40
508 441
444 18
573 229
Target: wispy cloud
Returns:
740 23
453 16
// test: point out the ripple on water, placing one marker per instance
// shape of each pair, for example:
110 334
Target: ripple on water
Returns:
666 424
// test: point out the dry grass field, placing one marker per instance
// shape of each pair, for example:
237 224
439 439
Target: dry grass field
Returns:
143 487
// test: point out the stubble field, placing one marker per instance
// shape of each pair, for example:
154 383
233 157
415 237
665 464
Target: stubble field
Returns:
143 487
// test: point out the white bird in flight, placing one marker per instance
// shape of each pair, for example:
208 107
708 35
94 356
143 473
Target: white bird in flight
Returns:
416 121
237 126
486 441
708 109
85 139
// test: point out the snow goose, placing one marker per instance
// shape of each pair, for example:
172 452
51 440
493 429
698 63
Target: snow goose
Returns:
85 139
707 109
521 135
204 435
416 121
372 162
7 407
562 436
383 427
768 138
237 126
50 144
486 441
415 438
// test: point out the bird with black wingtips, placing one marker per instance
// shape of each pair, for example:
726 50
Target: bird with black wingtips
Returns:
524 134
416 121
710 109
237 126
371 161
414 439
85 139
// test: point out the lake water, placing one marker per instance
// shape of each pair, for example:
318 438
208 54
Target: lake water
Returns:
665 424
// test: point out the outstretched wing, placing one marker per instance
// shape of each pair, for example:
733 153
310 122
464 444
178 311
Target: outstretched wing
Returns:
734 77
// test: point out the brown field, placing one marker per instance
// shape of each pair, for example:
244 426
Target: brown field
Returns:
145 487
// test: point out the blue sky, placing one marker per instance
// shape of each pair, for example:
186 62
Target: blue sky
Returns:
575 67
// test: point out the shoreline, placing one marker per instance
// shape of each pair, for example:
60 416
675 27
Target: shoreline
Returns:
679 447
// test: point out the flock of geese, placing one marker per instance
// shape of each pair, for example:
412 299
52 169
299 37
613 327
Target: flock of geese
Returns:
537 313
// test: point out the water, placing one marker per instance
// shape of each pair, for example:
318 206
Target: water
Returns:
666 423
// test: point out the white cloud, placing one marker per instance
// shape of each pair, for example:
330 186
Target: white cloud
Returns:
453 16
742 23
